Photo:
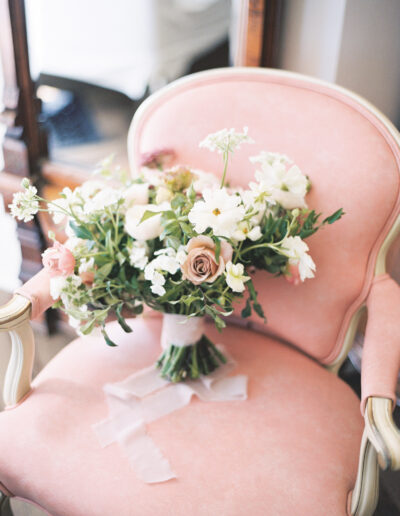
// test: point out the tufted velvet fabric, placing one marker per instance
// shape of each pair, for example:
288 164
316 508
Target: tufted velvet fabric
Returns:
292 448
350 156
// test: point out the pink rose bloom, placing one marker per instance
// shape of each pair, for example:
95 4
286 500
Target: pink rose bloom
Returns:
200 264
87 277
293 275
58 260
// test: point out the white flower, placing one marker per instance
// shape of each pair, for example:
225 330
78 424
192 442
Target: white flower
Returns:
57 210
204 180
158 281
181 254
86 265
219 211
163 194
244 230
73 242
296 250
271 160
56 286
89 188
149 228
102 199
138 254
287 186
235 277
25 205
153 270
138 193
226 140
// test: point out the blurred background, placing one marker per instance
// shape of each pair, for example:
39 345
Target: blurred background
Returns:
73 73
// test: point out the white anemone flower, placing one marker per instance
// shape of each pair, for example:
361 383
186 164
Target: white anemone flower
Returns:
25 204
235 277
287 186
226 140
217 210
296 250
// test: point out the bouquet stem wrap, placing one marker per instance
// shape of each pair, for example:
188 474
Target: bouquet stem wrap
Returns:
187 352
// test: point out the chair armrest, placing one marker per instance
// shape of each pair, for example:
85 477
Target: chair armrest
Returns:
14 319
383 432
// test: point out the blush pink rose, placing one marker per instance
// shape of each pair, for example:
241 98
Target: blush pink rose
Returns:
293 275
200 264
58 260
87 277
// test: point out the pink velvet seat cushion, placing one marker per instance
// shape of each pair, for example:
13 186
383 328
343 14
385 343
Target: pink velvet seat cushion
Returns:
291 448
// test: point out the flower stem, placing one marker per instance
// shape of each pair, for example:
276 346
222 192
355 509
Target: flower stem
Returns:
226 156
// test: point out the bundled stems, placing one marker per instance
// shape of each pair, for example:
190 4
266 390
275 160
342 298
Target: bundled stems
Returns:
179 363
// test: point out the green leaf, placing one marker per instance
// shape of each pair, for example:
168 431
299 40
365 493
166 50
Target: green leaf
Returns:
147 215
217 249
88 327
105 270
191 193
334 217
246 312
108 243
177 201
252 290
81 231
109 342
121 319
259 311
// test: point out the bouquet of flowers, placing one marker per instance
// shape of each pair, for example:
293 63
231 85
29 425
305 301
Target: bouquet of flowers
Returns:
178 240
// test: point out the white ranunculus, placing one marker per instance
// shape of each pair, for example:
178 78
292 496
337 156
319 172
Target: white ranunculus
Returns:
148 229
296 250
138 193
217 210
163 194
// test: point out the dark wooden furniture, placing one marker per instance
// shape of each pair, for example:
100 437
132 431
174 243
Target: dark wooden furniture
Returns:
24 146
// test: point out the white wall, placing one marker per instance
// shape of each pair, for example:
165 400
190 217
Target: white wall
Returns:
355 43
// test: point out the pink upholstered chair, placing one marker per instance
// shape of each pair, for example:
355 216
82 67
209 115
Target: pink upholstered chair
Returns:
293 447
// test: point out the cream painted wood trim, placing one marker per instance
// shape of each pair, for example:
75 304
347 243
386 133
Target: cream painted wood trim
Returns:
364 497
14 318
383 432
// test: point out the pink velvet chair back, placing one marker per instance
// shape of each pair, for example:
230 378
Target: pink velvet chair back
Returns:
346 147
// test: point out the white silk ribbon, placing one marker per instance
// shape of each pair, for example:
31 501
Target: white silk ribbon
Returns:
181 330
144 397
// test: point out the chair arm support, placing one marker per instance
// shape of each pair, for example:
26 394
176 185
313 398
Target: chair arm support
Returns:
382 431
14 319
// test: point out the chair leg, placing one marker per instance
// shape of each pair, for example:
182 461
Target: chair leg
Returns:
5 507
